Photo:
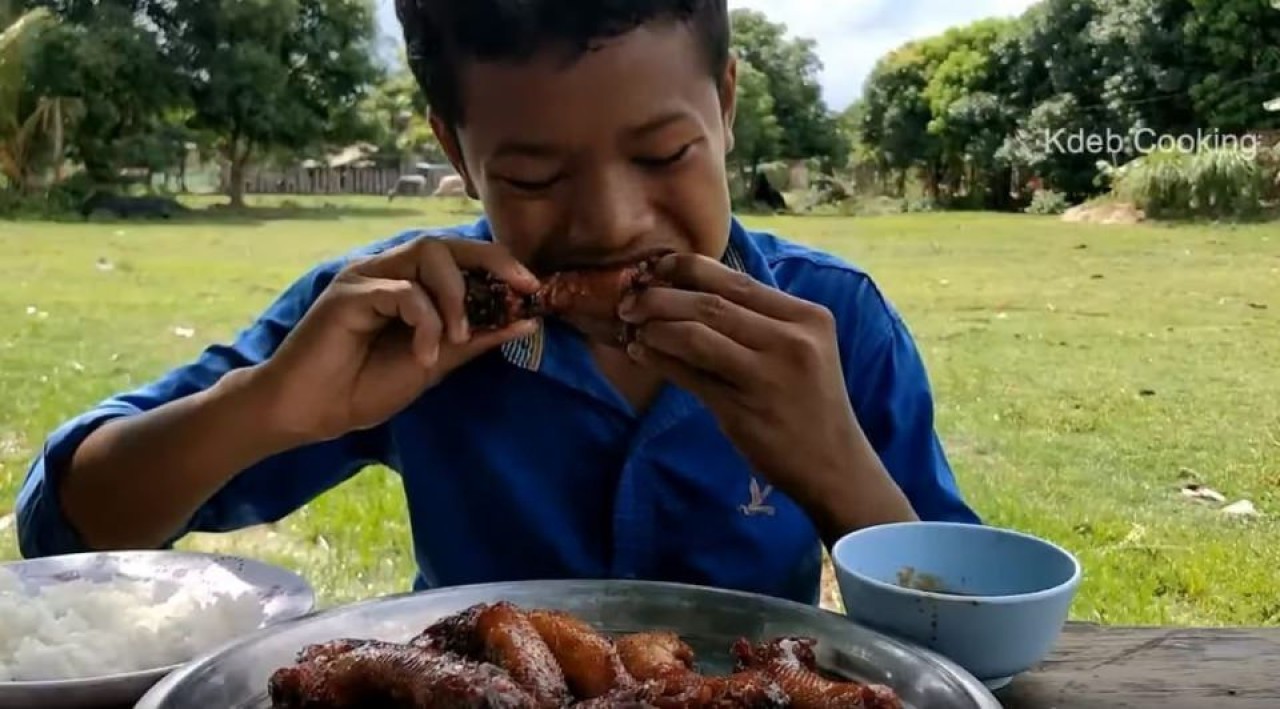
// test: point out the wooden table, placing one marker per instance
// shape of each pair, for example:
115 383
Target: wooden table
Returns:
1099 667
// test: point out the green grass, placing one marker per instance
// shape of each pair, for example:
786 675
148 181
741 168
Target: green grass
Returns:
1083 374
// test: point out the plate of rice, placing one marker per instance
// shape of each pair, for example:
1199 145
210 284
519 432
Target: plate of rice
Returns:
97 630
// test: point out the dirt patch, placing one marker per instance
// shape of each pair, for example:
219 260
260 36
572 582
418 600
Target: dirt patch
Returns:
1104 213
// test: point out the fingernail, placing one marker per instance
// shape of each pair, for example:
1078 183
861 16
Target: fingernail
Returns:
433 354
462 333
624 307
635 350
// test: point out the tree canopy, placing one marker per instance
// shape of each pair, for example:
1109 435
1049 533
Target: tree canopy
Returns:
245 77
994 105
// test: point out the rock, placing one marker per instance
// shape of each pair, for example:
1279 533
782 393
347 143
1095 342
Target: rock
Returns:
451 186
1104 213
1241 508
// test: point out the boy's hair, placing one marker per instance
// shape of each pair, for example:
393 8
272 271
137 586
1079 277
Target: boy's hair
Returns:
442 34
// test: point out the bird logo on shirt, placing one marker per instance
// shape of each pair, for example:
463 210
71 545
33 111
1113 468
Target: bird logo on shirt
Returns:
757 506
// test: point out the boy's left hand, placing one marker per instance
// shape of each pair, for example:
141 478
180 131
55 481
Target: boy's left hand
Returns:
768 367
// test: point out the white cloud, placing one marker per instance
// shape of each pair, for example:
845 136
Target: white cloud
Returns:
851 34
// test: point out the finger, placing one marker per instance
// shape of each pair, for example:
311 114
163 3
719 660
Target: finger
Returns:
700 347
402 261
483 341
707 387
407 302
437 263
443 274
699 273
737 323
496 259
440 274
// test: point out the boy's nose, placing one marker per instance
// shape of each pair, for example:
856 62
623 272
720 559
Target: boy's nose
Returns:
612 211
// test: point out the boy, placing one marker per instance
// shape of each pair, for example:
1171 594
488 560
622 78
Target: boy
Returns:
772 400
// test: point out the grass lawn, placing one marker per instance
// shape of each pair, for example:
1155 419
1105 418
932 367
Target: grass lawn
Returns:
1083 375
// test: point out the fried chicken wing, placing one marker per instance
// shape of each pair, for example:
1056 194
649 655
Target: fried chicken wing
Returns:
589 660
655 655
792 662
743 690
666 664
587 298
594 292
455 633
353 675
511 641
499 655
492 304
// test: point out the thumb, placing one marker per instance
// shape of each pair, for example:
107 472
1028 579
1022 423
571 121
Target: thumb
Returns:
453 356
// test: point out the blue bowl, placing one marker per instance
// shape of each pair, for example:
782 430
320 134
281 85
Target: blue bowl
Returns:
992 600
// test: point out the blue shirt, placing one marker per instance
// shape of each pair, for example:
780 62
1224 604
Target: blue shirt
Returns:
526 464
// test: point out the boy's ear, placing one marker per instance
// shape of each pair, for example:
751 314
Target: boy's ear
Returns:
448 138
729 100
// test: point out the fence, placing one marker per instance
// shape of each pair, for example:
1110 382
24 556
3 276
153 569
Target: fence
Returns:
325 180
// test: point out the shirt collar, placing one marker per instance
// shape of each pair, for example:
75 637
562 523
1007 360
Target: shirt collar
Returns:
527 352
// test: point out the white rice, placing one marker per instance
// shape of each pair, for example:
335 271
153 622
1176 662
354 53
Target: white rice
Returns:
82 629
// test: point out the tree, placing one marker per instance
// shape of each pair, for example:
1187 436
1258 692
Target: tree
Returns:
1274 104
791 67
26 121
895 116
970 118
274 73
129 92
757 134
395 114
1238 42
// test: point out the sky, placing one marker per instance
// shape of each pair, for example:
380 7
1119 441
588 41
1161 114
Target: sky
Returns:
851 34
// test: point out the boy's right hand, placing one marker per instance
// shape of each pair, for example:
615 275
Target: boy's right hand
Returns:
387 328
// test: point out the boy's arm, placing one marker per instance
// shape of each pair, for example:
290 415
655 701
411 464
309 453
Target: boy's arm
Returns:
887 384
893 399
195 450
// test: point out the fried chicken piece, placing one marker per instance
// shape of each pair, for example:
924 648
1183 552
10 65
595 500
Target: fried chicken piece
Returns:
355 674
791 661
491 303
324 652
454 634
740 690
589 660
594 292
655 655
587 298
511 641
665 663
747 690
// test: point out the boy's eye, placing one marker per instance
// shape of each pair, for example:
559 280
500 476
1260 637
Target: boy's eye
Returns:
666 160
531 185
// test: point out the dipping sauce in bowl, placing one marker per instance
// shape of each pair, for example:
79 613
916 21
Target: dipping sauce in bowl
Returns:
992 600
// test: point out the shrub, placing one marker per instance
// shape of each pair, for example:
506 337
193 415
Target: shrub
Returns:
1210 183
1047 202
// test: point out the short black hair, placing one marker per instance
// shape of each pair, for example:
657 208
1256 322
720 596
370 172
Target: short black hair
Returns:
442 34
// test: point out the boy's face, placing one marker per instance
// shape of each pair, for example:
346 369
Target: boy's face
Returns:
618 154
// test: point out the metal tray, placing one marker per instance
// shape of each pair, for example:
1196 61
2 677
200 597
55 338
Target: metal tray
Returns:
708 619
283 594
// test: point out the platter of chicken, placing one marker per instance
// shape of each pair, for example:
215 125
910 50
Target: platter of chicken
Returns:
588 644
